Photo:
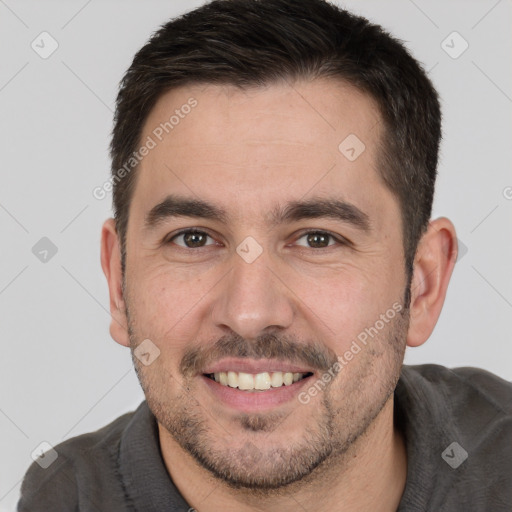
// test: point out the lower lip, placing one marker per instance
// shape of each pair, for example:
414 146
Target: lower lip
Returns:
255 401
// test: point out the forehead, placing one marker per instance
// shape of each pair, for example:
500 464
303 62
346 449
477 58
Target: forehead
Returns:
315 114
262 144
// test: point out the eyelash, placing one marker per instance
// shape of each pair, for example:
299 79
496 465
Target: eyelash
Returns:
340 240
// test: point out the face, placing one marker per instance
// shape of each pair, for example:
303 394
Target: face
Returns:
263 252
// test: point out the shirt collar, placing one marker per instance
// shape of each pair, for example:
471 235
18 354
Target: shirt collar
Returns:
147 485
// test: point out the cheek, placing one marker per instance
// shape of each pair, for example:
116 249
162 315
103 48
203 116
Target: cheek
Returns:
348 306
165 308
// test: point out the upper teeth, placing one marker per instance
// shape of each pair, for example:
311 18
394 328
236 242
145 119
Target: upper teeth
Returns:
261 381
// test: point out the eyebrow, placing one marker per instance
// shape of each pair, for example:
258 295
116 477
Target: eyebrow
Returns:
177 206
174 206
315 208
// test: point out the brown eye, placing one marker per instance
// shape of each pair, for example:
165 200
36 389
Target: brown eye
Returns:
191 239
317 240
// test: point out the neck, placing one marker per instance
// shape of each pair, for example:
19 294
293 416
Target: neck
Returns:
370 475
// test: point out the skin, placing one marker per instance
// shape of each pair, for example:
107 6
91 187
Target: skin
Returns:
247 152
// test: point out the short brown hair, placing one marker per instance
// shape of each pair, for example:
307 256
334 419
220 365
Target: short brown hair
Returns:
249 43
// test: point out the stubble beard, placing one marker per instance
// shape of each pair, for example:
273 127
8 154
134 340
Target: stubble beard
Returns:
237 459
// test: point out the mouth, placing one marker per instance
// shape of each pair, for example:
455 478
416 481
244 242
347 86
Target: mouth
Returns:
257 382
255 385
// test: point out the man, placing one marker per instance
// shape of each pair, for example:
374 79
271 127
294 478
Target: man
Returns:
271 257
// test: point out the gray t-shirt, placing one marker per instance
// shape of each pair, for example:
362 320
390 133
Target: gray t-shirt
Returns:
457 425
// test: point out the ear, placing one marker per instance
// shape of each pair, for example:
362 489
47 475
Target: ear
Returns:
111 265
433 266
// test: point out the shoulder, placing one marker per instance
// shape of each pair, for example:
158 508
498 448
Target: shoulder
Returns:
480 387
85 461
459 422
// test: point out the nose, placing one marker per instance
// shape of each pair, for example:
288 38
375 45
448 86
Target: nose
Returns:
253 298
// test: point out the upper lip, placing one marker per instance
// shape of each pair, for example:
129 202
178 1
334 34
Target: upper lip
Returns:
255 366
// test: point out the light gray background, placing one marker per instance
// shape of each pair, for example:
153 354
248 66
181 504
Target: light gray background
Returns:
61 374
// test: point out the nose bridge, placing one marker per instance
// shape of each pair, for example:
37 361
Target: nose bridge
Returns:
252 299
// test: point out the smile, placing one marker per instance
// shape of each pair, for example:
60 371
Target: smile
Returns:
256 382
255 385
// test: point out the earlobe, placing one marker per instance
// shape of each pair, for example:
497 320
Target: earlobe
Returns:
433 267
111 265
